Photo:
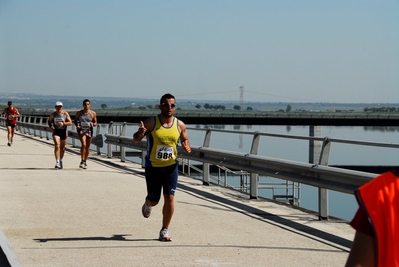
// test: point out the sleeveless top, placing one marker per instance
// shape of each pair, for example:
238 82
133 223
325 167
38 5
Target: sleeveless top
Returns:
59 118
380 200
9 116
162 143
85 120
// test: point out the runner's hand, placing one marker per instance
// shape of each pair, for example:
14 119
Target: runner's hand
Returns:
142 130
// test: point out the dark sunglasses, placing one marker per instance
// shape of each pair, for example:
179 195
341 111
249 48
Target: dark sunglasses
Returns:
168 105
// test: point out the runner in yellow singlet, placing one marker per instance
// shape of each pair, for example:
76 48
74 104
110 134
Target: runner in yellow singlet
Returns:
163 132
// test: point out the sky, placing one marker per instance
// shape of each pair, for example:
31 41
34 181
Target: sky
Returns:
333 51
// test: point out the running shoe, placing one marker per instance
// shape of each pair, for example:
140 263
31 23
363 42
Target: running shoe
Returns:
146 210
9 144
61 166
164 235
82 164
58 166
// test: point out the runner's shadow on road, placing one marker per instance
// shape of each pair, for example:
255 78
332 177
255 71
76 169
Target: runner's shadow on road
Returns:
91 238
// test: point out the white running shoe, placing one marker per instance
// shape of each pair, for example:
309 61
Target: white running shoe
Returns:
164 235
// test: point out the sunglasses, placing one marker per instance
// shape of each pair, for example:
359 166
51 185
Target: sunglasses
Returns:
168 105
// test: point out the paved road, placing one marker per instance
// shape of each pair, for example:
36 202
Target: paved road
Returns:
76 217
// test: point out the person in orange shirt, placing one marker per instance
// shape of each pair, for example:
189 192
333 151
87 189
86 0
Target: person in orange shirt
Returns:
376 223
11 114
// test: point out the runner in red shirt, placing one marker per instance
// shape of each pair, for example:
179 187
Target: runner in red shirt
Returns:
11 114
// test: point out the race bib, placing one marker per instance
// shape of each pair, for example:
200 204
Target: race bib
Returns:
164 152
85 125
10 117
56 121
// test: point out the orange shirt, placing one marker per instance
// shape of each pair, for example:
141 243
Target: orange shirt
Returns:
379 200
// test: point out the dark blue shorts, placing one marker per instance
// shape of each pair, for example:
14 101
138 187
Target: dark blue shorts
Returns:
12 125
161 178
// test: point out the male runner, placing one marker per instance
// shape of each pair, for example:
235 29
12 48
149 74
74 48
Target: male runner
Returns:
11 114
161 168
85 120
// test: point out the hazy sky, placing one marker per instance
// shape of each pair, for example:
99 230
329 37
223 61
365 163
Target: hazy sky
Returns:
280 50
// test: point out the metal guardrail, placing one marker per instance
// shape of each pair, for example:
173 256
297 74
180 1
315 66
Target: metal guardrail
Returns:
318 175
240 114
37 126
332 178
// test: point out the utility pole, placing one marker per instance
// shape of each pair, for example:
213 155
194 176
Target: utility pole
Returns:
242 97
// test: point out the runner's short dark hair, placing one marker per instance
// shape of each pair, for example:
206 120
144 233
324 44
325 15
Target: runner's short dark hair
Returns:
166 96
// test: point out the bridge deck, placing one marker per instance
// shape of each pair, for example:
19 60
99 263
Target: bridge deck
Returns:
75 217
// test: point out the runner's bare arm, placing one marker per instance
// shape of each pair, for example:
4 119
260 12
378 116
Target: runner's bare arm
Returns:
184 137
17 114
94 121
75 120
50 121
68 120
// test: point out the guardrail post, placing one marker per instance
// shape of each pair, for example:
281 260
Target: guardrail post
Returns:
21 128
34 130
41 123
20 119
314 146
315 157
98 133
27 130
323 193
205 166
123 149
254 177
73 139
109 146
325 152
47 133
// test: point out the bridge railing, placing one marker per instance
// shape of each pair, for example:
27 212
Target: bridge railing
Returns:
318 174
37 126
238 114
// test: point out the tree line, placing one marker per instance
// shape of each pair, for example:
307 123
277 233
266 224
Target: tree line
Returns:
381 109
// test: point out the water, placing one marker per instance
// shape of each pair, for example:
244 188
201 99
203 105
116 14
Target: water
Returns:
340 205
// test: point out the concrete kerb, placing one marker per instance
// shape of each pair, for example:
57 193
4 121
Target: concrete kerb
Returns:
7 254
